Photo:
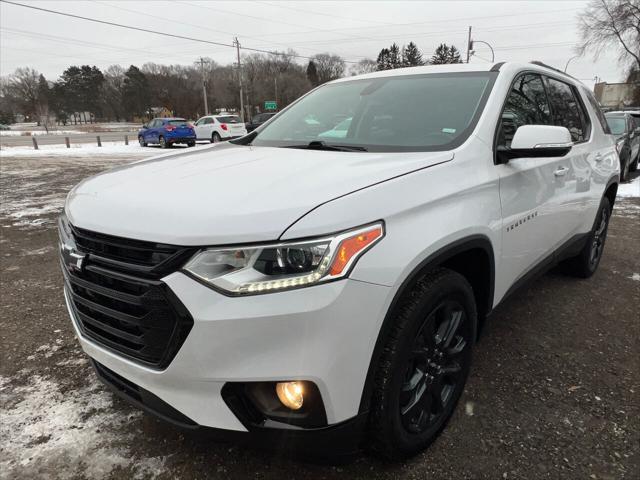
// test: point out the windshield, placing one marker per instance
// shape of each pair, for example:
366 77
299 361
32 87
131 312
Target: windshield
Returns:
229 119
405 113
617 125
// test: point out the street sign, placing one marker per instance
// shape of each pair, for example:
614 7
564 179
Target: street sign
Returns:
270 105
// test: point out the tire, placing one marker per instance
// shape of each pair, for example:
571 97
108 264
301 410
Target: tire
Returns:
419 356
215 137
142 142
163 143
586 262
191 144
624 170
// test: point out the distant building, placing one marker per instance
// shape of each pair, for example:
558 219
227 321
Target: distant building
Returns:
615 95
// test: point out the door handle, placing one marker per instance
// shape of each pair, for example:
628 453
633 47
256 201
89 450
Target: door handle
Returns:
561 171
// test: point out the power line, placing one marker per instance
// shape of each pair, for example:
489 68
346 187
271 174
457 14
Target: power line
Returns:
156 32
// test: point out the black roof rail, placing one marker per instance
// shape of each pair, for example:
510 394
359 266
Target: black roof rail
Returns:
542 64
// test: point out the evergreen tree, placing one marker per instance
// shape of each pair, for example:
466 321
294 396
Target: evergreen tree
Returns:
454 55
411 56
43 102
312 74
445 54
136 95
395 60
383 60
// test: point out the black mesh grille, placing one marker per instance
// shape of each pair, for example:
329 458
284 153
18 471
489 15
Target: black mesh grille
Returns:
119 301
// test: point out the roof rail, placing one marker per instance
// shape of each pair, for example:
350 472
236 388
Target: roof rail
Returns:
542 64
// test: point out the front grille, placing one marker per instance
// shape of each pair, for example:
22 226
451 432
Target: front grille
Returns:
118 299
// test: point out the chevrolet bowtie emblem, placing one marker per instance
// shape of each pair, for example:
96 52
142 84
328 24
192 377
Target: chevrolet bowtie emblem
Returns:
72 258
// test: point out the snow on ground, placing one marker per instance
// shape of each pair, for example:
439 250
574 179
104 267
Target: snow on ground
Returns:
631 189
108 149
75 433
18 133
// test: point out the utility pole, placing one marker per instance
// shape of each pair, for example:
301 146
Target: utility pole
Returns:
469 44
204 86
275 82
237 43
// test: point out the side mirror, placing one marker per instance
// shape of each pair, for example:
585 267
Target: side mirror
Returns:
145 126
537 141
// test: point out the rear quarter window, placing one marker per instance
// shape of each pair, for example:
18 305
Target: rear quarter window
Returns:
598 111
567 109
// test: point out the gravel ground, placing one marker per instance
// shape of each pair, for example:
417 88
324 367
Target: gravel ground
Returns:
553 392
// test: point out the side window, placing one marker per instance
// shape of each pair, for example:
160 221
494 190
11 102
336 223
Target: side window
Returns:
526 104
208 121
199 122
567 111
596 108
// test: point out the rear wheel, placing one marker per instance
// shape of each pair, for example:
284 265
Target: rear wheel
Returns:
624 169
141 141
424 365
191 144
586 262
215 137
163 143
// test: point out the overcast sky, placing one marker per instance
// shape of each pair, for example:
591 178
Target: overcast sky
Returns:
518 31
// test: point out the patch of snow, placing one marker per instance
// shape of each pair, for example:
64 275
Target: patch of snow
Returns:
75 434
631 189
108 148
31 133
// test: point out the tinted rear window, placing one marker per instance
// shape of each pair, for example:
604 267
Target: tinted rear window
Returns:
177 122
229 119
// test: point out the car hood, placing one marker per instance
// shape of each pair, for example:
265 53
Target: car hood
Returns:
226 193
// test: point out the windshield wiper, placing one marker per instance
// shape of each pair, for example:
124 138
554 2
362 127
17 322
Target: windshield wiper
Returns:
321 145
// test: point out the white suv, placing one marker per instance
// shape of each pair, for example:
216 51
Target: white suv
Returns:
217 128
315 291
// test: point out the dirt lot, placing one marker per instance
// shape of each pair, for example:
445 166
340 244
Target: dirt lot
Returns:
553 392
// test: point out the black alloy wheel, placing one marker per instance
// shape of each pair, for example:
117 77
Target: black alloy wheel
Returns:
423 365
163 142
142 142
434 372
599 237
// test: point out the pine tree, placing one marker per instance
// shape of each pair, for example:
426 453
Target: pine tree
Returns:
411 56
454 55
312 74
136 97
395 61
383 59
445 54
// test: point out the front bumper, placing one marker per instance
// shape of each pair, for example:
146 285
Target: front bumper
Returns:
324 334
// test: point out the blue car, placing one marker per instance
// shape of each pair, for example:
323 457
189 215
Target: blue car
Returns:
167 131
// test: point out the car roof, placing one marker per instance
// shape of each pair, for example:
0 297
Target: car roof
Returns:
506 67
169 118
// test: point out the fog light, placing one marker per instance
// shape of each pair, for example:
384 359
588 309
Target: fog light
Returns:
290 394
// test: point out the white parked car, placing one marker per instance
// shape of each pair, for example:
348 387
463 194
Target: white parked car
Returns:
305 291
217 128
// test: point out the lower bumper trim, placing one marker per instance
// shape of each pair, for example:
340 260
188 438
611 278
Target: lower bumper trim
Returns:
332 442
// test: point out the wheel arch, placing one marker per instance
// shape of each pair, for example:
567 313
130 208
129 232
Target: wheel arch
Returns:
473 258
611 191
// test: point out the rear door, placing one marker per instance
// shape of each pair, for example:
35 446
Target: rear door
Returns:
573 176
529 187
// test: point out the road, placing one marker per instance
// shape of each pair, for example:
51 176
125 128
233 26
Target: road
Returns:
553 392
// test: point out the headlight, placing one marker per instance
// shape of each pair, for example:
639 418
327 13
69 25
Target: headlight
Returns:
267 268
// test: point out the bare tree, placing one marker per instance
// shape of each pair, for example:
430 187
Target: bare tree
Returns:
612 24
366 65
23 86
329 67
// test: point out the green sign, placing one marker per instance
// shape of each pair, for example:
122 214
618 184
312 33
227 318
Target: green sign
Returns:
270 105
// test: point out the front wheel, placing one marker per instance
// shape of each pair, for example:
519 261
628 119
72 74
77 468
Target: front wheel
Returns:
424 365
141 141
215 137
163 143
586 262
